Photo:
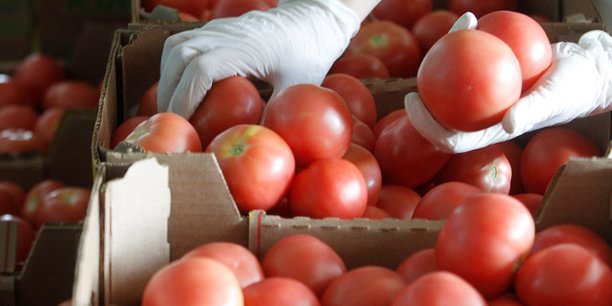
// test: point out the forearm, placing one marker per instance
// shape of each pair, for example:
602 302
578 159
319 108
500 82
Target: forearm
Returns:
361 7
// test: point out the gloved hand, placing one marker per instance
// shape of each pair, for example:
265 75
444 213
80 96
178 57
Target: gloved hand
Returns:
578 84
295 42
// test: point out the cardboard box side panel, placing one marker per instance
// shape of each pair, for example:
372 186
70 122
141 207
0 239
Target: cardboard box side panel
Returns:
26 170
16 30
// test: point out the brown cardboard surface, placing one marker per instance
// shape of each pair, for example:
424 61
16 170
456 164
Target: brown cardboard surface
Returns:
16 30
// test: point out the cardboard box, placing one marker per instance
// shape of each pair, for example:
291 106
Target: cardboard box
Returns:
16 30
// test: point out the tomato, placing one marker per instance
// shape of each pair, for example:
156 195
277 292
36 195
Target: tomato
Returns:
330 187
526 38
234 8
399 201
181 5
16 192
305 258
147 106
361 66
440 201
193 281
487 168
564 274
363 135
439 288
47 123
484 239
368 166
480 75
405 157
394 45
573 233
417 264
387 119
17 116
165 132
402 12
239 259
547 151
10 94
531 200
363 286
279 291
125 128
229 102
513 151
7 203
315 121
480 7
432 26
25 236
356 94
65 205
375 213
257 164
505 300
35 73
17 141
34 199
71 94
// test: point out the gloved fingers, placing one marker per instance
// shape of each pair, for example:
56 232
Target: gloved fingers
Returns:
173 70
596 38
467 21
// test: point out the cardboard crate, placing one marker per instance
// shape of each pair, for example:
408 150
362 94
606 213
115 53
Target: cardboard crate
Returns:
16 30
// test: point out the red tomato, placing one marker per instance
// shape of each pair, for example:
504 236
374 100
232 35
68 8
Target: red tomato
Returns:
239 259
25 236
368 165
17 116
480 75
526 38
440 201
432 26
279 291
125 128
16 192
147 106
417 264
505 300
229 102
330 187
10 94
193 281
47 123
513 152
439 288
480 7
531 200
17 141
547 151
71 94
487 168
34 199
65 205
573 233
405 157
387 119
356 95
7 203
165 132
35 73
361 66
363 135
305 258
234 8
375 213
181 5
363 286
399 201
257 164
484 239
401 12
315 121
564 274
394 45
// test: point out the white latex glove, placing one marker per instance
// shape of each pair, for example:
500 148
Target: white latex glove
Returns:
295 42
578 84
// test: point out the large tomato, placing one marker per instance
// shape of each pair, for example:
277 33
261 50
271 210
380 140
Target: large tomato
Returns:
402 12
513 151
125 128
257 164
487 168
547 151
234 8
304 258
405 157
315 121
279 291
71 94
526 38
357 96
484 239
65 205
439 288
432 26
240 260
394 45
363 135
480 7
18 116
532 201
147 106
34 200
417 264
480 75
361 66
564 274
47 123
16 192
363 286
193 281
330 187
165 132
35 73
10 94
399 201
231 101
440 201
368 165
